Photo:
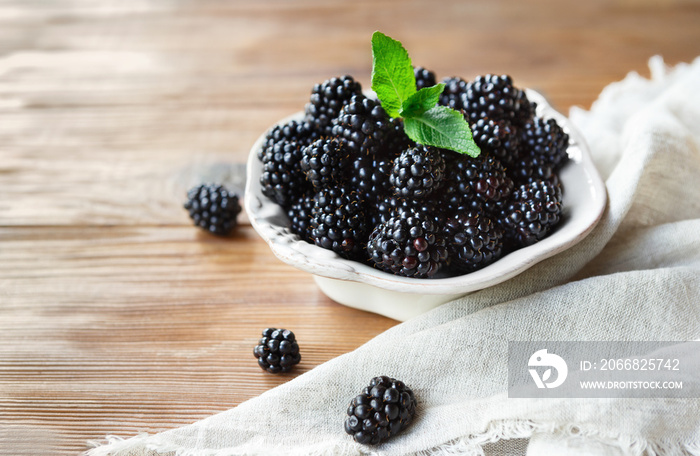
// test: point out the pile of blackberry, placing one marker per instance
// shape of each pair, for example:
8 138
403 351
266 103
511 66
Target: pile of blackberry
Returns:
351 181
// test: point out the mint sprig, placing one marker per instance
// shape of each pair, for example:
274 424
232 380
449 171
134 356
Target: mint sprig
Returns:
394 82
421 101
393 79
442 127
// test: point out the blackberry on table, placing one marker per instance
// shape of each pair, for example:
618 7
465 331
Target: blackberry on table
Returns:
324 162
363 125
327 99
533 211
277 351
545 140
380 411
494 97
417 172
409 243
424 77
339 223
474 241
213 208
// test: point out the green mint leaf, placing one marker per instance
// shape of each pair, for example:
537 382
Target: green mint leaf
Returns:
393 79
442 127
421 101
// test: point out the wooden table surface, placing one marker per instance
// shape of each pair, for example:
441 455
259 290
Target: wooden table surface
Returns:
118 316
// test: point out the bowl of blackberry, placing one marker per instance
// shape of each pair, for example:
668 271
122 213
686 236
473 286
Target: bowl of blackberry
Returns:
400 201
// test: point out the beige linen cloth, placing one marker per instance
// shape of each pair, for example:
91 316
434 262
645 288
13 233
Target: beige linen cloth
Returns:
635 277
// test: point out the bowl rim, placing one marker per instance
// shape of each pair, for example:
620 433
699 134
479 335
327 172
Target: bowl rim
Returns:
265 215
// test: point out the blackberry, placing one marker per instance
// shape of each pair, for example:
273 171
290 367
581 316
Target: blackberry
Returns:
417 172
428 207
324 162
455 193
213 208
338 222
277 351
494 97
545 140
299 133
397 140
299 214
529 169
282 179
364 125
453 95
370 176
424 78
484 177
526 109
474 241
409 243
327 99
498 138
533 211
380 411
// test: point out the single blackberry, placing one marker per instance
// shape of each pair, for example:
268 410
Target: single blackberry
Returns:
324 162
530 169
432 208
282 179
526 109
410 244
380 411
396 140
484 177
370 173
277 351
545 140
213 208
424 78
474 241
498 138
338 222
494 97
370 177
299 214
417 172
300 133
327 99
533 211
453 95
364 125
455 193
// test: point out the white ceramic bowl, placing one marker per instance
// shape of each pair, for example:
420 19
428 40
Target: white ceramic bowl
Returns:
358 285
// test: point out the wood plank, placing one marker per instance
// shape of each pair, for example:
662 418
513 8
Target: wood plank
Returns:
146 328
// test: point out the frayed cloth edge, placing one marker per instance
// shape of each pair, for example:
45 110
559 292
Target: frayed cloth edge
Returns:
508 430
471 445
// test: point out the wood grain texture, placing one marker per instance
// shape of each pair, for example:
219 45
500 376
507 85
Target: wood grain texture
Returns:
117 316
